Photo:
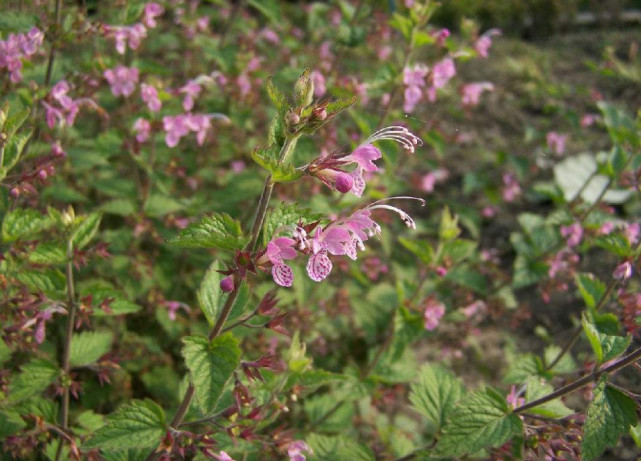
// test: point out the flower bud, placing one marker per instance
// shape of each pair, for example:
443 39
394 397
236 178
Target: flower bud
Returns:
15 192
227 284
623 271
304 89
344 182
320 113
292 118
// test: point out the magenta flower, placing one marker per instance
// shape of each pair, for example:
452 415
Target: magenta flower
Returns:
414 81
632 232
511 188
556 142
433 313
442 72
142 128
175 128
623 271
278 250
173 306
15 48
126 35
432 178
200 124
191 91
319 83
484 42
441 36
68 107
472 92
572 233
122 80
149 96
295 450
152 11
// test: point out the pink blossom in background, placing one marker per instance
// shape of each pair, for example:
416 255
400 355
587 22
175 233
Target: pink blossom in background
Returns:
433 313
472 309
173 306
484 42
68 107
175 127
149 96
513 398
152 11
511 188
623 271
432 178
441 36
572 233
472 92
270 36
556 142
442 72
414 81
606 228
631 232
142 128
384 52
489 211
122 80
296 449
319 83
238 165
126 35
588 120
222 456
191 90
200 124
409 3
17 47
244 84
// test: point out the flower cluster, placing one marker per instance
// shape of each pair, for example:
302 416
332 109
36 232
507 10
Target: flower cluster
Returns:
122 80
15 48
472 92
180 125
420 82
61 108
343 236
133 35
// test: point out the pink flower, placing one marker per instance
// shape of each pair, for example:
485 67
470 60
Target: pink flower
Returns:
223 456
511 189
126 35
556 142
270 36
142 128
473 309
414 81
278 250
191 91
513 399
152 11
434 312
149 95
295 450
442 72
432 178
623 271
484 42
173 306
227 284
472 92
319 83
441 36
606 228
588 120
237 166
122 79
572 233
69 107
631 232
244 84
180 125
17 47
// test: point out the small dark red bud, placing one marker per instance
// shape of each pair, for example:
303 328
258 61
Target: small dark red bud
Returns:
15 192
227 284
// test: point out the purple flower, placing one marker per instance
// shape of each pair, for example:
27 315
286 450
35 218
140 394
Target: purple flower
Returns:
191 91
442 72
278 250
152 11
556 142
126 35
180 125
319 83
142 128
69 107
441 36
472 92
122 80
149 96
17 47
433 313
623 271
173 306
572 233
295 450
484 42
227 284
511 188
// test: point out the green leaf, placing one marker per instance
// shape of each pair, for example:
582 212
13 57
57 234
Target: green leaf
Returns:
215 230
138 424
89 346
458 250
48 253
280 172
283 215
210 296
537 388
51 281
5 351
13 151
591 288
606 347
86 230
522 367
480 421
468 278
278 98
609 415
34 378
211 365
10 423
448 229
422 249
326 448
15 120
565 365
436 393
338 106
23 222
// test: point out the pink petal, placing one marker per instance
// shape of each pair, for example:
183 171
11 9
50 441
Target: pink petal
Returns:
319 266
283 275
359 183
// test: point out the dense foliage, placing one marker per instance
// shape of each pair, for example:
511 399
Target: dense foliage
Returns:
329 231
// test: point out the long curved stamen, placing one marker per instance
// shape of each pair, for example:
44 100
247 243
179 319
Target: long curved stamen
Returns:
396 133
399 197
407 219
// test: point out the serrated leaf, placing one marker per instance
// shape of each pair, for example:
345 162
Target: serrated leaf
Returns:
15 120
436 394
218 230
610 415
48 253
606 347
10 423
211 365
50 281
88 347
537 388
39 406
277 97
280 172
140 423
458 250
522 367
335 107
591 288
13 151
86 230
34 378
565 365
333 448
313 379
23 222
480 421
284 215
210 296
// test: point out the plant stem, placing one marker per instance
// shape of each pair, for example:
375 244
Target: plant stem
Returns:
579 383
577 332
52 51
71 307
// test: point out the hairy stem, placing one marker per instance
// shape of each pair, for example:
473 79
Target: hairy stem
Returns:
579 383
71 308
52 51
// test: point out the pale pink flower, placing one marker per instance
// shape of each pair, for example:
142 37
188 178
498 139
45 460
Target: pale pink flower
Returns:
202 24
489 211
238 165
149 96
433 313
126 35
152 11
173 306
277 251
175 127
623 271
556 142
429 180
244 84
142 128
270 36
414 81
606 228
472 92
296 449
223 456
17 47
513 398
442 72
632 231
319 83
572 233
191 90
69 108
472 309
588 120
441 36
511 188
122 80
484 42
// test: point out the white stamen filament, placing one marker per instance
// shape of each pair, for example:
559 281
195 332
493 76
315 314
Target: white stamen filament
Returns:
396 133
407 219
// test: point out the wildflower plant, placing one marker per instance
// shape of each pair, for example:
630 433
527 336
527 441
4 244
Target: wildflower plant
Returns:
196 264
